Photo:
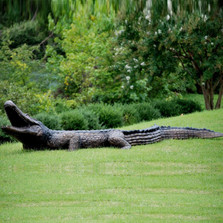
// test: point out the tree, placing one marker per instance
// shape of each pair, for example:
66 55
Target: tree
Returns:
196 41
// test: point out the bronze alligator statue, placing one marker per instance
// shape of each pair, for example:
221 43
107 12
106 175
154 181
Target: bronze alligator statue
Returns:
35 135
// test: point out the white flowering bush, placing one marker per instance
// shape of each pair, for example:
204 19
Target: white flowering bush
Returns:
169 55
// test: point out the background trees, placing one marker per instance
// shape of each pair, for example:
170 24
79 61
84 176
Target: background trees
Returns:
112 51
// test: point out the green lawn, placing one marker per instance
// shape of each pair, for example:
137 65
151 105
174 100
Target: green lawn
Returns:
171 181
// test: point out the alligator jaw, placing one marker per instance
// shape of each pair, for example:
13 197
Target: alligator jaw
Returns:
17 117
32 133
15 131
22 124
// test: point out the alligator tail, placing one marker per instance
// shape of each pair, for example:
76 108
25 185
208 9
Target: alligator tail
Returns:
157 133
187 132
143 136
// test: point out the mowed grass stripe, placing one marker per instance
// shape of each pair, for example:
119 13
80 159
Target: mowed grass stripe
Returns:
170 181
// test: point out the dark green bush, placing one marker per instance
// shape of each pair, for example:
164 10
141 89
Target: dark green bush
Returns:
29 32
50 120
109 116
73 120
91 117
167 108
188 106
147 112
176 107
3 137
130 113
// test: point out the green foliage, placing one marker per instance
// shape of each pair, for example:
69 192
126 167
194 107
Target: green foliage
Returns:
167 108
91 117
73 120
29 32
147 112
188 106
130 113
176 107
4 122
17 64
84 68
109 116
27 100
50 120
21 10
191 45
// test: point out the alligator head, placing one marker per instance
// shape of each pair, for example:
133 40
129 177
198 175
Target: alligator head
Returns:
32 133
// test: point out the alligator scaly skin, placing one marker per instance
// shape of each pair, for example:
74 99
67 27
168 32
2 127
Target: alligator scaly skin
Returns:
35 135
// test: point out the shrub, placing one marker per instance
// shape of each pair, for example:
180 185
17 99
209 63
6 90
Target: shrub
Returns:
176 107
73 120
167 108
91 117
3 137
29 32
188 106
147 112
109 116
130 113
50 120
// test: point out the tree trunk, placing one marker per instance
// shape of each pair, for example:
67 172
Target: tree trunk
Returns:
211 93
206 97
218 103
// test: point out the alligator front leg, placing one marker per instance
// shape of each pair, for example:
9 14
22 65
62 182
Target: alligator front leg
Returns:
117 139
74 143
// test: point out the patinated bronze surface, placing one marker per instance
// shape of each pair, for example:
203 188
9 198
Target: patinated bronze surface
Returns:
35 135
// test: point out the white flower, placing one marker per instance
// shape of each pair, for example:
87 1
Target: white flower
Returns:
155 33
143 64
135 60
117 33
181 29
206 37
131 87
148 17
122 86
127 67
135 66
167 17
127 78
128 71
154 45
159 31
212 43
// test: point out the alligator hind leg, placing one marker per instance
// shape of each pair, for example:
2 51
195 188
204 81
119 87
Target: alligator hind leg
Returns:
74 143
117 139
